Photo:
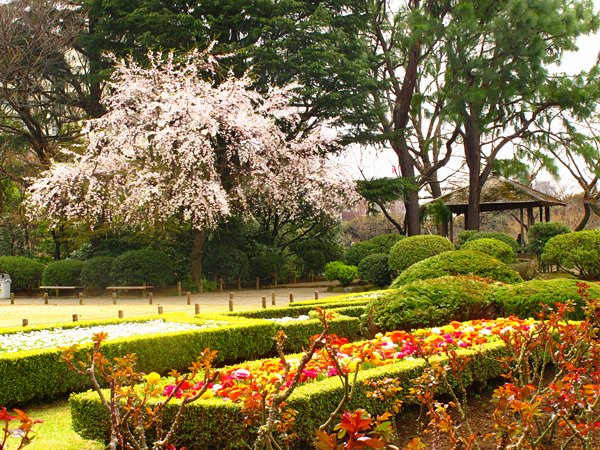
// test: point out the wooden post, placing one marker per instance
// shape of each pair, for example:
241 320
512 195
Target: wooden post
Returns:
452 227
120 314
80 298
547 214
160 309
220 285
239 284
264 302
197 308
75 317
57 293
257 284
231 304
201 285
150 298
312 276
45 298
294 277
275 278
92 289
291 297
84 289
25 322
179 289
273 298
144 290
12 298
231 296
189 298
114 297
316 295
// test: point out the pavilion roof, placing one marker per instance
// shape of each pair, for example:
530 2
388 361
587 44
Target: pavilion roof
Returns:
499 194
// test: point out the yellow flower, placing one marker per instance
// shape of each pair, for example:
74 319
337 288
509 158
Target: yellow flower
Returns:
207 394
152 378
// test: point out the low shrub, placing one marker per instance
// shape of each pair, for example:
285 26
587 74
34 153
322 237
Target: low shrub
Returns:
356 252
525 299
507 239
63 273
464 236
226 263
542 232
97 271
492 247
137 267
23 271
384 243
431 303
375 269
313 261
578 253
337 270
416 248
459 262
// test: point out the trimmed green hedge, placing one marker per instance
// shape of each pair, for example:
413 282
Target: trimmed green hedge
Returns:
217 423
63 273
459 262
337 270
23 271
506 238
137 267
524 299
540 233
413 249
97 271
579 250
431 303
492 247
375 269
40 374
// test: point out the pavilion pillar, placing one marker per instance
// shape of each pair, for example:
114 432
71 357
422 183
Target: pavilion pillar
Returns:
542 214
522 243
451 227
530 218
547 214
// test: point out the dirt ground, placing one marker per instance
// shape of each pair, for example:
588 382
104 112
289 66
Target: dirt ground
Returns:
134 305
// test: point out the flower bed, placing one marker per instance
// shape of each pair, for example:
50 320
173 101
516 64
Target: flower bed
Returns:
52 338
218 418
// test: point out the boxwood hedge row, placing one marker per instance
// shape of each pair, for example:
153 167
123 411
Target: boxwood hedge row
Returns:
219 424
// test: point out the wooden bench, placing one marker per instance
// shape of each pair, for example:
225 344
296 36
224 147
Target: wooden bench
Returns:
116 289
58 288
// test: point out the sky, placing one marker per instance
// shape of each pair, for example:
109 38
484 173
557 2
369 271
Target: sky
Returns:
371 163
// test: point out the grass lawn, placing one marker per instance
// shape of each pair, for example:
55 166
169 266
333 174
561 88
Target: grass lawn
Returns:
56 432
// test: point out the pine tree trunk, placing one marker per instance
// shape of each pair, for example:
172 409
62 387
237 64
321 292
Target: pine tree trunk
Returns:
196 258
473 157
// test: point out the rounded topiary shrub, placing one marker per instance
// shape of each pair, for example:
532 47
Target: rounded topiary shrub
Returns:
265 266
63 273
524 299
337 270
356 252
507 239
375 269
431 303
492 247
459 262
542 232
413 249
578 252
23 271
384 242
97 271
464 236
137 267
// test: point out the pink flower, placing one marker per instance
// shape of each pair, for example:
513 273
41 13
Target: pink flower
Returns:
333 372
310 373
241 374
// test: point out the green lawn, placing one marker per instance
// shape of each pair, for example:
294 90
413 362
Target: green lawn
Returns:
56 432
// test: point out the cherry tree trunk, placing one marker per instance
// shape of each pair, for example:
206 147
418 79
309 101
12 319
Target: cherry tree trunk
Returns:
196 258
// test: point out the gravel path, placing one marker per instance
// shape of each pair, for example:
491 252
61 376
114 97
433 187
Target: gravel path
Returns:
101 307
